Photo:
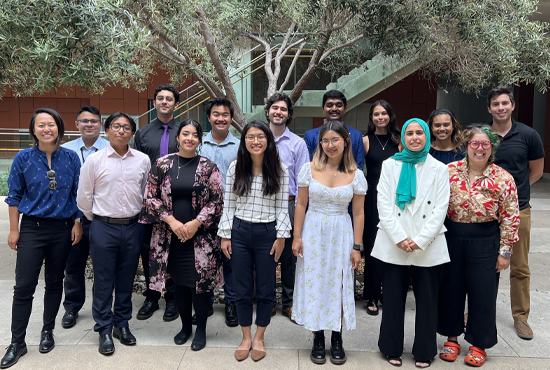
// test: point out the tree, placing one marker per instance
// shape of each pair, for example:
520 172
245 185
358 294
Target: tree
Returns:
45 44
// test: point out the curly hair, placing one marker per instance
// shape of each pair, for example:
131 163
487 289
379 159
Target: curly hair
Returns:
456 135
484 129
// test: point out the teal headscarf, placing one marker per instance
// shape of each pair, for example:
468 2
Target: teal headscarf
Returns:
406 187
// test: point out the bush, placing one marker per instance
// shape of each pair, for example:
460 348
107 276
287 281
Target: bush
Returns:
4 183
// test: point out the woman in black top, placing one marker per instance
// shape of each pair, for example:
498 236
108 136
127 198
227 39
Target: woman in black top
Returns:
446 136
380 142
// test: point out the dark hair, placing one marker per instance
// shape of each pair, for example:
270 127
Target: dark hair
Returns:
394 132
482 128
335 94
276 98
89 109
58 122
456 136
170 88
219 101
116 115
188 122
499 90
320 158
272 171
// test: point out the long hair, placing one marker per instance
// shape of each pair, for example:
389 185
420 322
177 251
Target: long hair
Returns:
58 122
456 135
482 128
320 158
272 172
197 127
394 132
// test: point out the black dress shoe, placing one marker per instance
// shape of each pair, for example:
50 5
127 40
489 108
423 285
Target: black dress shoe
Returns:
146 311
125 336
194 318
171 313
337 354
106 345
14 351
46 341
318 350
69 319
197 346
182 337
231 318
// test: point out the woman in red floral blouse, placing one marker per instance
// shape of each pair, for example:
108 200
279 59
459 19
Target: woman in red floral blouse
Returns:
482 223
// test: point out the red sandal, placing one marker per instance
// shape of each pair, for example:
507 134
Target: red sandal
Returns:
475 357
450 351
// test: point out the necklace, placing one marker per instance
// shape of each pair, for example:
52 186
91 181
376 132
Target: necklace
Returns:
192 159
383 146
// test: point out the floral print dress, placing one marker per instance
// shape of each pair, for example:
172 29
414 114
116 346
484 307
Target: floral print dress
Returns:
208 207
323 290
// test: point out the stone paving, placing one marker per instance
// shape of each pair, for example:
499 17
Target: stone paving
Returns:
288 345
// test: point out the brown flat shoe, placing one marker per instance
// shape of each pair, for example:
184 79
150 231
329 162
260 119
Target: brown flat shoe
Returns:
257 354
288 313
242 354
523 330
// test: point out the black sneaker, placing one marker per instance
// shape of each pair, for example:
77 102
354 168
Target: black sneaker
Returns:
146 311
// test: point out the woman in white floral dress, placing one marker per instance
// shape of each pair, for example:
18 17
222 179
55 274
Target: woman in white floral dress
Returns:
326 244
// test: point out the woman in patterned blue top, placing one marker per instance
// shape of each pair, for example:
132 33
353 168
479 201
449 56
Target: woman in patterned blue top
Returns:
42 186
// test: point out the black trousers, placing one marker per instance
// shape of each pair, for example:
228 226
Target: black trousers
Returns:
251 244
426 282
75 283
474 253
41 241
145 249
115 254
373 267
288 262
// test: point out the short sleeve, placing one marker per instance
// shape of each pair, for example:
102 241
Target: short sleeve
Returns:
304 177
359 183
535 149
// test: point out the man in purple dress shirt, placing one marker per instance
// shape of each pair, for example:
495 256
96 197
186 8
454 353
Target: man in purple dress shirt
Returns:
293 152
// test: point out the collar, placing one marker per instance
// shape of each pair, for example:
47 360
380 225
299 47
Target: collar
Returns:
462 167
80 143
171 124
513 130
229 139
285 135
112 153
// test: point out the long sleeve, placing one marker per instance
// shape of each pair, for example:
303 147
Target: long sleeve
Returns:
508 215
283 224
210 214
389 223
16 183
358 150
75 164
311 143
154 203
229 204
85 193
432 227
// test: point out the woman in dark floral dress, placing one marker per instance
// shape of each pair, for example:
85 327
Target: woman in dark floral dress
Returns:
184 201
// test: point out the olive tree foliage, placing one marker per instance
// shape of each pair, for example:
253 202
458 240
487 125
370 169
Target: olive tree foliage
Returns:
45 44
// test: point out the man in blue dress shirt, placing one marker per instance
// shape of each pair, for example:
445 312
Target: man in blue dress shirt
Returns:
221 147
88 123
334 109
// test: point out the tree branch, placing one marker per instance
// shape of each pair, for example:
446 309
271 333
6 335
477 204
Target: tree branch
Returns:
292 65
341 46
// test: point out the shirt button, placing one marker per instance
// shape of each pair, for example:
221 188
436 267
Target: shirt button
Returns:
399 214
424 216
429 202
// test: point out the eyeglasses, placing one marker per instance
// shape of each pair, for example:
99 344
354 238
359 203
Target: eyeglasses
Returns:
162 98
335 141
116 127
253 138
51 175
87 121
484 144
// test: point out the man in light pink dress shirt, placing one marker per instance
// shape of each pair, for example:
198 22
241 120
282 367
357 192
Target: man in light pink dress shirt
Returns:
110 192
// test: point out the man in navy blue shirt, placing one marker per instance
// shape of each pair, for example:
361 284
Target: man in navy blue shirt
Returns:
334 109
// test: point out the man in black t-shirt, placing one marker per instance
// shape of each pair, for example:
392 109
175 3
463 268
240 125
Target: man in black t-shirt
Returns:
522 154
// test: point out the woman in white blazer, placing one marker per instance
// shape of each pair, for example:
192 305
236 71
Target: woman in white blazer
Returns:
413 197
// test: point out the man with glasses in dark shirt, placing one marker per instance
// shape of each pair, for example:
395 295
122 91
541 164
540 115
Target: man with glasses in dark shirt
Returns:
88 122
158 139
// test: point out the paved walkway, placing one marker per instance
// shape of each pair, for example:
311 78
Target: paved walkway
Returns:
288 345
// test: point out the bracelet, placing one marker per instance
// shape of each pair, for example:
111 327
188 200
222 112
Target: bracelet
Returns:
505 254
358 247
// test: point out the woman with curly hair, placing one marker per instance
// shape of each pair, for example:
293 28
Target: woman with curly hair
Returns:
446 136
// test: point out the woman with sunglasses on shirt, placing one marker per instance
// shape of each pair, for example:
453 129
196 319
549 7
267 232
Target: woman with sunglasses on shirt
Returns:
253 228
42 186
482 224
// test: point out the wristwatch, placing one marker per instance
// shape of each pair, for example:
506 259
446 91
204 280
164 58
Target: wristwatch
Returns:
358 247
79 219
505 254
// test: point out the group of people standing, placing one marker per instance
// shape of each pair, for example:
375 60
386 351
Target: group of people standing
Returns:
434 211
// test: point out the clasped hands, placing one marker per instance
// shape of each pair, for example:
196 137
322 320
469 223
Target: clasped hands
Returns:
408 246
185 231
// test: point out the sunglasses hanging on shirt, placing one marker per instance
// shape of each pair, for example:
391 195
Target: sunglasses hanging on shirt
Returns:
51 175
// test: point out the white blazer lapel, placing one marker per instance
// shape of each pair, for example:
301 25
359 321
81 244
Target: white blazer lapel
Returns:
424 182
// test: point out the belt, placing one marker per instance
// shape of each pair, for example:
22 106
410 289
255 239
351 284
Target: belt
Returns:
292 197
118 221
